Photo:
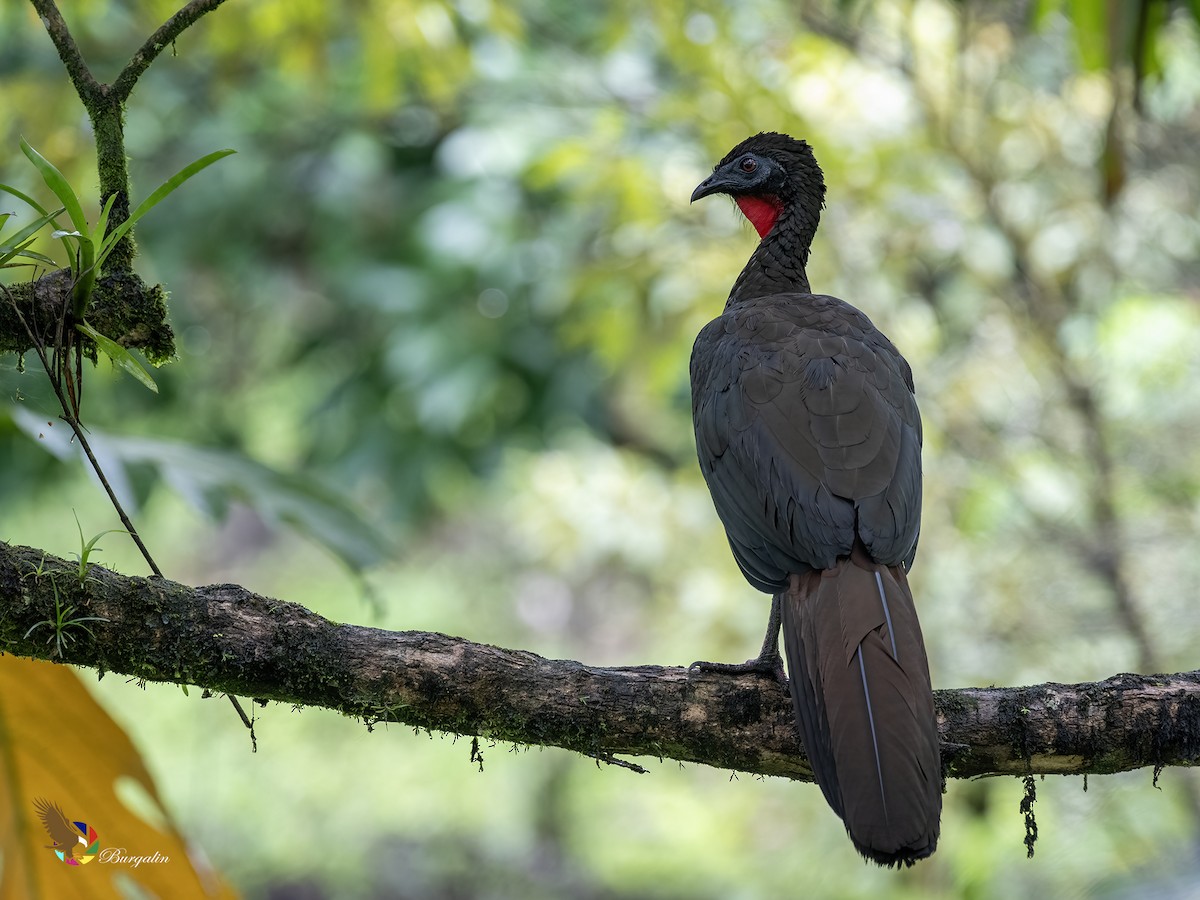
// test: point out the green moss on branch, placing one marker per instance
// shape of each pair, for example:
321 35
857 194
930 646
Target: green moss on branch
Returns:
123 308
228 639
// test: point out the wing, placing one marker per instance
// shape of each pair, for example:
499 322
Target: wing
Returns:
61 831
808 435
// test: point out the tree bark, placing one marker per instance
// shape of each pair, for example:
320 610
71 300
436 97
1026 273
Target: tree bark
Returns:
123 308
228 639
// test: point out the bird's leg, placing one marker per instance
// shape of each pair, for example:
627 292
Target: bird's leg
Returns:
768 661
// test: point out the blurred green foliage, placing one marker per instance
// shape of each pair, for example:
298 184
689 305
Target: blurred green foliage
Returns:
451 279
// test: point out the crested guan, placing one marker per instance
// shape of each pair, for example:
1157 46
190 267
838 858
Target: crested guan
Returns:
809 438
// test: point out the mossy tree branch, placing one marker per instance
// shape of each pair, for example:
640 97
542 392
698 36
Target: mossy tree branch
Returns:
123 307
225 638
156 43
68 51
105 105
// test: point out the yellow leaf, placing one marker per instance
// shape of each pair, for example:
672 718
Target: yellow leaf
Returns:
60 750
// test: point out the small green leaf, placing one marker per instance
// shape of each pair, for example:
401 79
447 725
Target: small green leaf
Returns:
102 222
29 201
85 267
86 546
10 252
119 355
58 184
22 236
21 253
163 191
16 245
35 256
23 197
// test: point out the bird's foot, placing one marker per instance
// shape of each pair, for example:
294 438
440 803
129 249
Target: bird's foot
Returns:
768 664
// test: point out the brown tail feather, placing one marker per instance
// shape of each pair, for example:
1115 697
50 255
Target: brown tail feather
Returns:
860 686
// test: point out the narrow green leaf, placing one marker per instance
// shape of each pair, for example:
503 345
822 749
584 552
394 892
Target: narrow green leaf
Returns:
38 257
163 191
29 230
11 252
23 197
85 266
57 183
16 245
119 355
22 253
102 222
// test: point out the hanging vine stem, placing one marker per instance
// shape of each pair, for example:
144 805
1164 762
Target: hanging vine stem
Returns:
70 416
68 402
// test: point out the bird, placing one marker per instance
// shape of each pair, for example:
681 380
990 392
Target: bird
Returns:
809 439
65 836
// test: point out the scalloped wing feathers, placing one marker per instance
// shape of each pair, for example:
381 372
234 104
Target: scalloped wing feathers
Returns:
808 435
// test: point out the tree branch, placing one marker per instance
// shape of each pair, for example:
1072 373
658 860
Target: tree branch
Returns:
85 83
123 308
156 43
105 105
225 638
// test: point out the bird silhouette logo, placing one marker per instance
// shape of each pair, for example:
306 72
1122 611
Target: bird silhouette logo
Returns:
75 843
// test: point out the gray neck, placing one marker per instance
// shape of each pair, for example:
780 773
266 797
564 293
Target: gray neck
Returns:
777 264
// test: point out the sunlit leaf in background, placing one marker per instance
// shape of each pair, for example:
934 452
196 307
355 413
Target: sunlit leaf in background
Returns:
211 479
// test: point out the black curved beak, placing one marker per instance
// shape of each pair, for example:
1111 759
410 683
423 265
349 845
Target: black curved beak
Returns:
713 184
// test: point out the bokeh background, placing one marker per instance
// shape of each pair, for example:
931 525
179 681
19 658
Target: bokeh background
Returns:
434 321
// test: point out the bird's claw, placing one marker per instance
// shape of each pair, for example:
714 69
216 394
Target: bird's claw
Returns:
770 665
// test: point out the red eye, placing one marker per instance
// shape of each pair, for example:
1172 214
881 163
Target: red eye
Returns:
749 164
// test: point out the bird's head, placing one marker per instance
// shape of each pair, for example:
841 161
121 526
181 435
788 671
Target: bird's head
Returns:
766 175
